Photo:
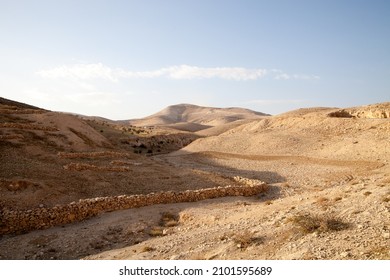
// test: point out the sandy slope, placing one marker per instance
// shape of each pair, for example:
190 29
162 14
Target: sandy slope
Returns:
306 133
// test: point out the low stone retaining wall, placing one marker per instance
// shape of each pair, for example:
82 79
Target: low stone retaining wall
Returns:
40 218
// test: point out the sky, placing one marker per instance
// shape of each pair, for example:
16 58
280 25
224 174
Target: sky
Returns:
129 59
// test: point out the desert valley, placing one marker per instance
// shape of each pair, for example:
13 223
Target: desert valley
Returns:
193 182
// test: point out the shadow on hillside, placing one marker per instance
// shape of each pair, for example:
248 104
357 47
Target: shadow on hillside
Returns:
207 164
103 233
198 161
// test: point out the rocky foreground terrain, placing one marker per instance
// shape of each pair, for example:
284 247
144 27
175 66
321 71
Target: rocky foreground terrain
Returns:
327 172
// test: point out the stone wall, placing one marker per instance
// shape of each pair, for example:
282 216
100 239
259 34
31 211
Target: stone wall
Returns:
376 111
40 218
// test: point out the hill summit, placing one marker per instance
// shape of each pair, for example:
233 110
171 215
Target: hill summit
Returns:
194 118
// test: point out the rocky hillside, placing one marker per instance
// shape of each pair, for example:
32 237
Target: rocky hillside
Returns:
374 111
49 158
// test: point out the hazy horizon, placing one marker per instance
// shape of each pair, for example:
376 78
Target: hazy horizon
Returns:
162 108
130 59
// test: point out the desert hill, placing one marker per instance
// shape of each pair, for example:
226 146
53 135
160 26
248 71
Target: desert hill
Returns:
11 104
189 117
327 171
50 158
316 132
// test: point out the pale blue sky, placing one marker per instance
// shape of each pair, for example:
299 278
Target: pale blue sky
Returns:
127 59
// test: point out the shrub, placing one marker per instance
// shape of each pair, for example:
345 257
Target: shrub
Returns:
307 223
379 253
323 202
246 238
156 231
147 249
386 199
168 219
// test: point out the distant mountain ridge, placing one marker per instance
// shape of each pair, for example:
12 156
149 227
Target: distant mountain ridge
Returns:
196 117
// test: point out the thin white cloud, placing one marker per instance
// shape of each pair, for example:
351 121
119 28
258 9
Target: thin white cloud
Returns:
80 72
99 71
280 75
227 73
276 101
285 76
178 72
